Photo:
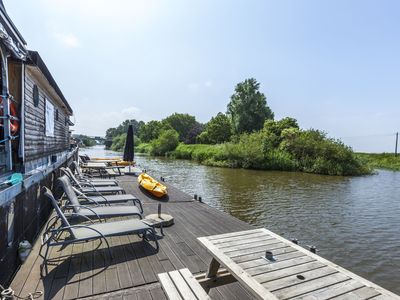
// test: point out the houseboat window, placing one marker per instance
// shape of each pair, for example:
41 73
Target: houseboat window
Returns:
49 118
56 114
35 95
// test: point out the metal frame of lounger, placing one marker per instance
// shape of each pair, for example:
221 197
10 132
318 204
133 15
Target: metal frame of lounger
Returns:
106 200
81 185
89 199
56 232
74 204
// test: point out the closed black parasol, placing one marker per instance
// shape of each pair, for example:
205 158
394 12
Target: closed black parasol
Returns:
129 151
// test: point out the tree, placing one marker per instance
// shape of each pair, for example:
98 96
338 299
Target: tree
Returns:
218 129
248 107
167 141
111 133
193 133
150 131
181 123
273 131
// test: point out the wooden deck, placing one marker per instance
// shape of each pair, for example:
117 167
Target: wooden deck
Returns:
84 270
133 271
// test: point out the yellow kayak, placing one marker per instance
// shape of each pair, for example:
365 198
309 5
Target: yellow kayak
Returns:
150 184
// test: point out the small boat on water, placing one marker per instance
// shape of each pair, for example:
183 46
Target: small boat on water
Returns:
153 186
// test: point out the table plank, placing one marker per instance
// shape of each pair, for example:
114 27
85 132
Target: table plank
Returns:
242 241
343 288
314 285
236 233
239 237
299 278
277 252
250 245
281 273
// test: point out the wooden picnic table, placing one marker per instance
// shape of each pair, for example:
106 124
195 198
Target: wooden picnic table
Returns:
291 273
94 165
106 161
102 166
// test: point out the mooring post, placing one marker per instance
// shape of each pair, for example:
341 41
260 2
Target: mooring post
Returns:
195 197
159 210
397 140
200 200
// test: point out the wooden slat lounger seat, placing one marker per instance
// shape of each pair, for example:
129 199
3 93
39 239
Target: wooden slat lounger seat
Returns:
92 211
89 189
181 285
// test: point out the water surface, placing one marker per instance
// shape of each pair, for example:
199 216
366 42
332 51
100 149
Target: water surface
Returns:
353 221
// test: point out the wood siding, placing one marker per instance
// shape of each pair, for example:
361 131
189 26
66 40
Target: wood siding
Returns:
37 144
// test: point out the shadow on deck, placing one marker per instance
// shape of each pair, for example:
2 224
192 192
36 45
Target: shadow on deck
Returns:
85 270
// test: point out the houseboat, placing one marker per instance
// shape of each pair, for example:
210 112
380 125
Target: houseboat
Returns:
34 142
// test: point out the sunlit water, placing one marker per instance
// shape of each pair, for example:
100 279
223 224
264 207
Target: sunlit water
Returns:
353 221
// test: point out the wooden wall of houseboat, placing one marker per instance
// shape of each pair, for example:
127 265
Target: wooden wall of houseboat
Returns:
37 144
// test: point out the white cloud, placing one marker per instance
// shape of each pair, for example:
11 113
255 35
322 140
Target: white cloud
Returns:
69 40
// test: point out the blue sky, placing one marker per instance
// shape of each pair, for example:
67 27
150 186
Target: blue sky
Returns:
331 65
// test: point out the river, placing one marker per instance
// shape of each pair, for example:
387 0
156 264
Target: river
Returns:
353 221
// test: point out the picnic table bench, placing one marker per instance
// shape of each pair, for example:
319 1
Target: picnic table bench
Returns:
287 271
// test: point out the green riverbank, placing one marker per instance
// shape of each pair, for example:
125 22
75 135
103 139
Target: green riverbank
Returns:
248 154
380 160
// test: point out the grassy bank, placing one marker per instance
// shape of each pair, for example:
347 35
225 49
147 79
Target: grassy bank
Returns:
250 156
380 160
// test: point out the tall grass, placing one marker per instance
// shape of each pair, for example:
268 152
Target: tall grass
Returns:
380 160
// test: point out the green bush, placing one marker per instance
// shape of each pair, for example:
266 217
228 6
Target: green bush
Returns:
143 148
295 150
167 141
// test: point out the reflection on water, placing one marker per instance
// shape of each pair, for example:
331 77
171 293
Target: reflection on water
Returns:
354 221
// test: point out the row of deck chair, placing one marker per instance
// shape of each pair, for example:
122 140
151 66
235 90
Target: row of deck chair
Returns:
87 199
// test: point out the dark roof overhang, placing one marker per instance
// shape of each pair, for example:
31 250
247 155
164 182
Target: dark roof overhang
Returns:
35 59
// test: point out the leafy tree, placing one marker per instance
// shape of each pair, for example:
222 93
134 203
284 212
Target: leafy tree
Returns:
218 130
111 133
86 141
273 131
248 107
193 133
167 141
150 131
181 123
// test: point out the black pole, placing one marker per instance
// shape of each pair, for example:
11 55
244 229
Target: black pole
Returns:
397 140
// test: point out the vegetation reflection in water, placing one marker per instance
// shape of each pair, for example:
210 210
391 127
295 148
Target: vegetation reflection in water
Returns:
352 220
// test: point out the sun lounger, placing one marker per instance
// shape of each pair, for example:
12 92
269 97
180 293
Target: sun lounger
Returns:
89 181
94 211
90 189
84 233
